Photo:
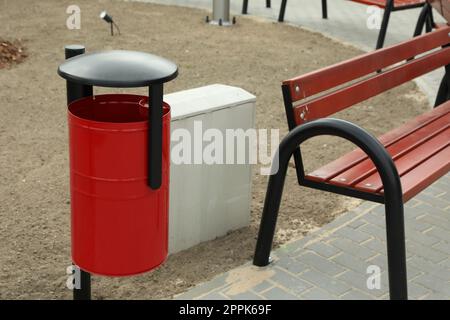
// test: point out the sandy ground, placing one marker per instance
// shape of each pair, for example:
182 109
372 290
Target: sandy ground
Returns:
255 55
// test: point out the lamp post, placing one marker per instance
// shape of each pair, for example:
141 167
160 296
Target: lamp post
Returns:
221 13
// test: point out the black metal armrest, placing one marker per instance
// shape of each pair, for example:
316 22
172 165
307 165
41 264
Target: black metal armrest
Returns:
389 176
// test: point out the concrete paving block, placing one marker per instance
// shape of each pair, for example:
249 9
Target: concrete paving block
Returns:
321 264
279 294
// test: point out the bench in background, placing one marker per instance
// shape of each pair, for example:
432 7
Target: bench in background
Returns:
389 6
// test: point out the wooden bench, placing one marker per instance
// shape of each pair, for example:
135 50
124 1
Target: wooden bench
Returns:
389 6
443 6
389 170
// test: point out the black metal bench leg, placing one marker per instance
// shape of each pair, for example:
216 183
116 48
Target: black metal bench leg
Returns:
269 217
433 23
429 24
396 252
84 291
324 9
385 23
245 7
443 94
423 16
282 11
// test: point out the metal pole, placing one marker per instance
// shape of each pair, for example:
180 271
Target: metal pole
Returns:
76 91
221 12
155 113
84 291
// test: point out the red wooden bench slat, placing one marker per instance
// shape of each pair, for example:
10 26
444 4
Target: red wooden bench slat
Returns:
340 99
396 150
394 140
332 76
397 3
421 177
409 153
355 157
407 163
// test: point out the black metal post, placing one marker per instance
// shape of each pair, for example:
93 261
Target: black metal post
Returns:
155 105
84 292
74 92
282 11
385 23
324 9
391 183
245 7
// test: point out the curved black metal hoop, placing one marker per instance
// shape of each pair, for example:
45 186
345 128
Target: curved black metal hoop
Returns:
392 194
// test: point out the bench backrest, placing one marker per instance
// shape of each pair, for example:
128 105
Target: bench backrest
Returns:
315 95
443 6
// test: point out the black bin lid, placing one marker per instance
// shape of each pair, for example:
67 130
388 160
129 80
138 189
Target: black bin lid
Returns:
118 68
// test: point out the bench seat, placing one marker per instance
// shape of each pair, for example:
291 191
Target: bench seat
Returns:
420 149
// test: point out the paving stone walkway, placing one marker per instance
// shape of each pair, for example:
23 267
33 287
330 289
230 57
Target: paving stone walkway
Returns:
337 261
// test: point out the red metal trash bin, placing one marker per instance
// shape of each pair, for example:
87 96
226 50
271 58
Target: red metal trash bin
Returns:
119 163
119 224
